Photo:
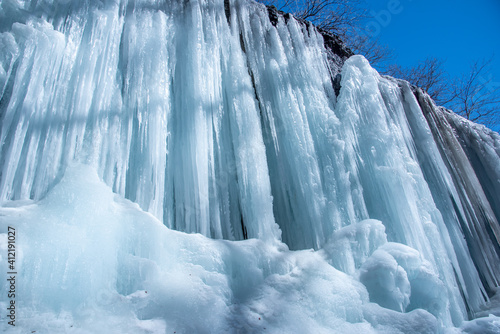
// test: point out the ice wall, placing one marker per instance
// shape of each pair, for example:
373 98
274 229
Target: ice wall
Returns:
116 269
218 120
472 200
155 94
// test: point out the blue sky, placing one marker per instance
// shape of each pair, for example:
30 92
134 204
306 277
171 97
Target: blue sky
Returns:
459 32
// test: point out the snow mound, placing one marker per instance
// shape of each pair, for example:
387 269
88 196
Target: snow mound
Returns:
90 261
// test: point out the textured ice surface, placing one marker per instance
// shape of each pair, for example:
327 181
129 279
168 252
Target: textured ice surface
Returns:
114 268
216 122
92 261
489 325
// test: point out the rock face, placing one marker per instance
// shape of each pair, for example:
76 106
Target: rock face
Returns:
234 121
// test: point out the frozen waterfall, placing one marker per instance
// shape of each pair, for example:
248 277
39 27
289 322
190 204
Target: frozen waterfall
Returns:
143 141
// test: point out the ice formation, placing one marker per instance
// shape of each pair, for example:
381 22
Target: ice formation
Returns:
206 167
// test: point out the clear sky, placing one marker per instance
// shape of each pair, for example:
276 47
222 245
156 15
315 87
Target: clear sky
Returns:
459 32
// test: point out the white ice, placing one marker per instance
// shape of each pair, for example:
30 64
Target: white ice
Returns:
143 141
92 262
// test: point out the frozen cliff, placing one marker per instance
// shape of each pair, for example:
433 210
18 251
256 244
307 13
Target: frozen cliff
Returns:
210 167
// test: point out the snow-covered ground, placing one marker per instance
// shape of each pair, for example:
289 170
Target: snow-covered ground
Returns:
89 261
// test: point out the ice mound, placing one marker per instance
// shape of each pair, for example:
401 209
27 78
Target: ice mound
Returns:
90 261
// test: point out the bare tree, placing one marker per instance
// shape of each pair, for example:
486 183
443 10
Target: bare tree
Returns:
336 16
428 75
476 97
473 96
341 17
377 54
